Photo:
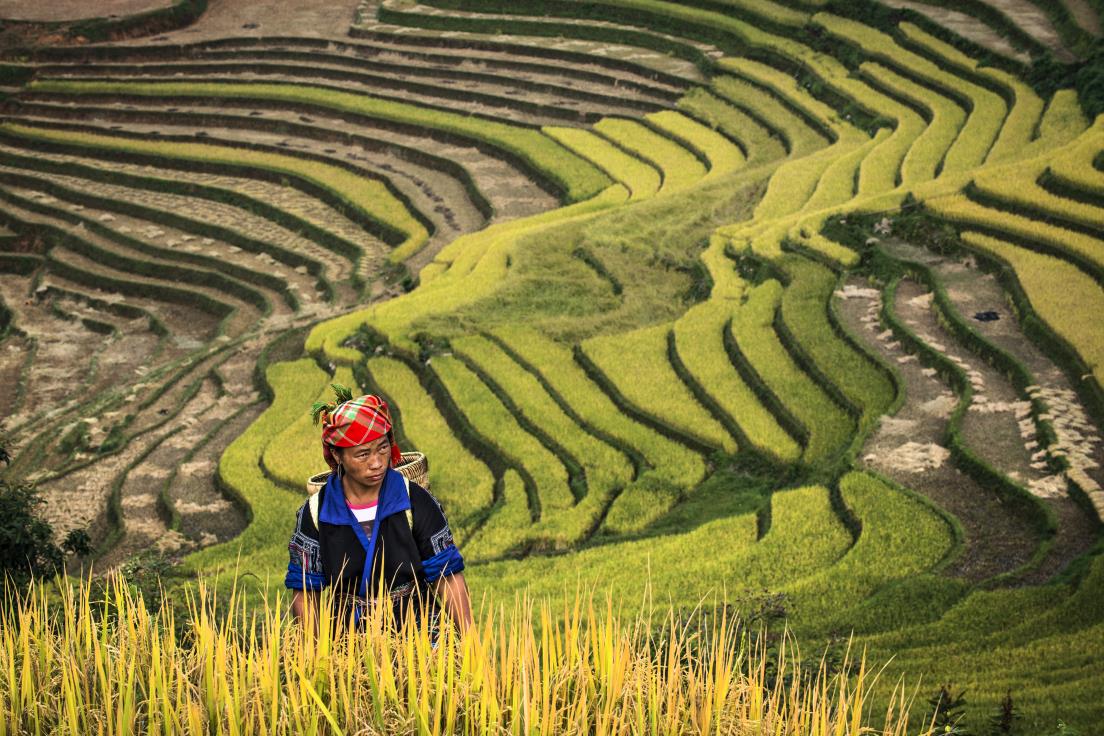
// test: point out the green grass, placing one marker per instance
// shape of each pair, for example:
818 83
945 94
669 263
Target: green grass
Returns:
805 536
597 334
1062 122
802 138
577 178
927 152
808 235
784 86
636 363
986 110
1020 191
1073 167
295 452
1018 127
492 420
722 154
670 469
805 304
827 425
881 170
679 167
559 521
1037 641
262 548
642 179
699 341
1058 240
469 268
606 468
462 483
1063 296
760 143
775 12
838 184
901 536
795 182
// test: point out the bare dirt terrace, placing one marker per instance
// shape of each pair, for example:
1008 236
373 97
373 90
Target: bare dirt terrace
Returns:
136 332
69 10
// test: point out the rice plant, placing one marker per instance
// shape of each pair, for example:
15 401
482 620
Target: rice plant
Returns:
78 659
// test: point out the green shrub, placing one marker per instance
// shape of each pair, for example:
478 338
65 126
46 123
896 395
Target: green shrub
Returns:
27 547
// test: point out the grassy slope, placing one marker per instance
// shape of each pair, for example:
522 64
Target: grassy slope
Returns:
883 582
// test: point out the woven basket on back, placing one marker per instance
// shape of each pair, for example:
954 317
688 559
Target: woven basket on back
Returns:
414 466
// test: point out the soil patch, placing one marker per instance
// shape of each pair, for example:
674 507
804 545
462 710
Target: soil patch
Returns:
50 11
908 447
964 25
256 18
988 425
1084 15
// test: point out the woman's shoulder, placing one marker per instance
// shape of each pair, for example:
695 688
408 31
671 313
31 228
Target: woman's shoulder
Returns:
417 491
421 497
306 514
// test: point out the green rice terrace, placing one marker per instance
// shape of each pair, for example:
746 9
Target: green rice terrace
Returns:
797 304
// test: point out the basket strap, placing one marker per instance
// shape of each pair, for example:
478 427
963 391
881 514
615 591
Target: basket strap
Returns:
312 504
409 506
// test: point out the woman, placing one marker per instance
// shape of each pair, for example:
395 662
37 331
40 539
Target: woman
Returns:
368 511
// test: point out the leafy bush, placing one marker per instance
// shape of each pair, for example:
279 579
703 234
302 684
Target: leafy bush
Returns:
27 547
947 712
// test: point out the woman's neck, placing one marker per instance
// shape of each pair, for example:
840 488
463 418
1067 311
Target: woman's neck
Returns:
359 494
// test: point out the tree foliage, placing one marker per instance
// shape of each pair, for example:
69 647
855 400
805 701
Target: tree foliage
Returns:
27 546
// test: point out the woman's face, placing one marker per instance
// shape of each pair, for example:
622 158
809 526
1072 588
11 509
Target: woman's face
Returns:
366 464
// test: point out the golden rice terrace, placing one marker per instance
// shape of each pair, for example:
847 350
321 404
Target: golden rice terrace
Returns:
796 302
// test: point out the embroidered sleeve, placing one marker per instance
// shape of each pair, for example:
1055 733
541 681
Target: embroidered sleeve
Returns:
305 555
439 553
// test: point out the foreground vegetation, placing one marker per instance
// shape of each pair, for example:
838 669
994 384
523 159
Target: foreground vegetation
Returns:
78 661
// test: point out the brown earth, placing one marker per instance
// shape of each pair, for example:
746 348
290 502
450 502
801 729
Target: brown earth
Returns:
68 10
1085 15
267 18
964 25
367 20
909 446
998 425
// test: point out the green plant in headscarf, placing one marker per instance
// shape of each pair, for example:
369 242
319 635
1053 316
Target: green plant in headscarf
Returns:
323 409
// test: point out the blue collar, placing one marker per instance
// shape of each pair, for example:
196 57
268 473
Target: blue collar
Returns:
393 499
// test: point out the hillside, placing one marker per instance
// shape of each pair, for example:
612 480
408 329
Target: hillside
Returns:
772 300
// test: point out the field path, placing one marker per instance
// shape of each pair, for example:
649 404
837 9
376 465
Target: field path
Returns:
998 425
908 446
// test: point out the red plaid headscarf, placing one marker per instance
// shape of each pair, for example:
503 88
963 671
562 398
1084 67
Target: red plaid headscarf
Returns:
354 423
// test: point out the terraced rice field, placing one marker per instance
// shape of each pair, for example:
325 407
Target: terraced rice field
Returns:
729 297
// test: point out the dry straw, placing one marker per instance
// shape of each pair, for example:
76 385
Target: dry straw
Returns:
72 663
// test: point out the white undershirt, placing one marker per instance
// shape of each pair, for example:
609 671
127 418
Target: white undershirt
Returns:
365 515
